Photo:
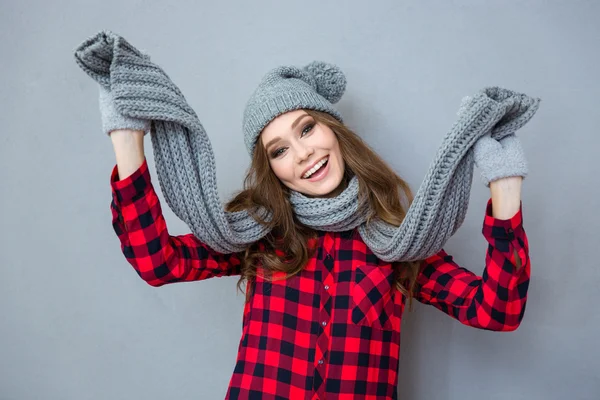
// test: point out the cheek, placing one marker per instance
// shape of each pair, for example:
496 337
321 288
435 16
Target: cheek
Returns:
338 155
334 145
331 140
282 170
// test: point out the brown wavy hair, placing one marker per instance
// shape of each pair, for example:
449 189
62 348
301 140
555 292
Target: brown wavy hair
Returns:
286 246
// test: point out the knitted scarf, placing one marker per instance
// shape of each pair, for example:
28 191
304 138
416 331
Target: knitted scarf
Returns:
186 167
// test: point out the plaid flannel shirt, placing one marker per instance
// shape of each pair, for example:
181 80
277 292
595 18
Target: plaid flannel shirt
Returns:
333 330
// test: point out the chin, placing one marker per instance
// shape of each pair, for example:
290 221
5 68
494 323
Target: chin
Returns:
327 190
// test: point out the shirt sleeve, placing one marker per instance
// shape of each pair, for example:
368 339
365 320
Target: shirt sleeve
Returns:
494 301
156 256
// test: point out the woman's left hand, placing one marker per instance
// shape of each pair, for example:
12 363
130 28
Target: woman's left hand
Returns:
499 159
503 167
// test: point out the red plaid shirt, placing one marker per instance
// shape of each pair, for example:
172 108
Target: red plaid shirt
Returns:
333 331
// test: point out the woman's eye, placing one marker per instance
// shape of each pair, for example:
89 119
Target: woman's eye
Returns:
277 152
308 128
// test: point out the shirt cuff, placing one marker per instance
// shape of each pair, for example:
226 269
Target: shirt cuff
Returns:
132 188
502 228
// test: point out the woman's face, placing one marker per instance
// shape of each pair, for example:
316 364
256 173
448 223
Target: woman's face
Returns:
296 146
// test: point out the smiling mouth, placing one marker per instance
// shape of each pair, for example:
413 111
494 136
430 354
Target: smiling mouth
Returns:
321 164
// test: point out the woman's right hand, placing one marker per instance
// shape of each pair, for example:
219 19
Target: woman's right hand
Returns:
127 134
112 119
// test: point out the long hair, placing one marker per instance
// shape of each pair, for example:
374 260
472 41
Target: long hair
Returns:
285 248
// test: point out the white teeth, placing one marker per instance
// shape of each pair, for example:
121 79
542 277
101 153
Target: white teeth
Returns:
315 168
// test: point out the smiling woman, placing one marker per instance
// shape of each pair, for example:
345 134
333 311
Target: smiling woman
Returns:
328 272
298 147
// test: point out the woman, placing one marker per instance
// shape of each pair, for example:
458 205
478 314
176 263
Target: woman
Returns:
323 313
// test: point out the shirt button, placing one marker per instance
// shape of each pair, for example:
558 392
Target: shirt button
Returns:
320 361
326 287
328 256
324 323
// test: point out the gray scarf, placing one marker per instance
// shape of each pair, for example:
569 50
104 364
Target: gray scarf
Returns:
187 176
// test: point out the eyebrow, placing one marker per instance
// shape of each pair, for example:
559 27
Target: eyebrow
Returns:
294 124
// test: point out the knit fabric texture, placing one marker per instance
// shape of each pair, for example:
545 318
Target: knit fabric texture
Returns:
186 167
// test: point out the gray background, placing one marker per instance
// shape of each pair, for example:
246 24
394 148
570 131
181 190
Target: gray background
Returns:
77 322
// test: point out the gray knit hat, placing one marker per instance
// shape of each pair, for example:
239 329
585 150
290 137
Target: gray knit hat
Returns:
316 86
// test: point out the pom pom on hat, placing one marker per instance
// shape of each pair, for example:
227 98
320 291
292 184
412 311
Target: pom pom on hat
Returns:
330 80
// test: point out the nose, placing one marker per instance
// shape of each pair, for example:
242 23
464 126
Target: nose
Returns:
303 152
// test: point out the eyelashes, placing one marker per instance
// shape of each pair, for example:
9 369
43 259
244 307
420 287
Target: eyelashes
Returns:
308 127
305 130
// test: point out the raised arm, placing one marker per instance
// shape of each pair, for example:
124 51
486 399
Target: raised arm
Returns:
137 218
493 301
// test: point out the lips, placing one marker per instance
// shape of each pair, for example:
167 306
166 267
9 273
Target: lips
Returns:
313 165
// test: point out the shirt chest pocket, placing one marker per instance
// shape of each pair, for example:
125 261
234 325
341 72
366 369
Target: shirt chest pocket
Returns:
372 298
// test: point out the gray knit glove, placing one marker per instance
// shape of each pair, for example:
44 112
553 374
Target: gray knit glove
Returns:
112 119
498 159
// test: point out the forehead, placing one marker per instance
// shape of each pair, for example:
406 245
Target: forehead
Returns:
281 125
